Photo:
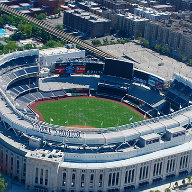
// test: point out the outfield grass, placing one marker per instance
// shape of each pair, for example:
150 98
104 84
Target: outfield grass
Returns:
89 112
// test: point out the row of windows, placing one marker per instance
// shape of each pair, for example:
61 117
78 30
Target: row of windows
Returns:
113 178
82 183
41 176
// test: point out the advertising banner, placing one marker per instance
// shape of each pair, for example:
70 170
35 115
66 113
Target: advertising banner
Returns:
140 80
159 86
151 82
70 69
80 69
60 70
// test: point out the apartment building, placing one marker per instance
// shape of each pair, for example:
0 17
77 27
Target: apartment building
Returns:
86 22
177 35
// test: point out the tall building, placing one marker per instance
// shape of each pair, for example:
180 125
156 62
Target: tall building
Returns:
173 33
86 22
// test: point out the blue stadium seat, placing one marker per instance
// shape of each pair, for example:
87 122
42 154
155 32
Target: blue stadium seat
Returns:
34 69
20 72
46 94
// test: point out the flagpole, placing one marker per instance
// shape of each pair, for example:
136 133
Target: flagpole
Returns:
29 90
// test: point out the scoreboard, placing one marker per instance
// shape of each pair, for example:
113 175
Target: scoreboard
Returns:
79 67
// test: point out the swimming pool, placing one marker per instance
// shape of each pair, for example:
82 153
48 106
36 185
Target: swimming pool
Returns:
2 31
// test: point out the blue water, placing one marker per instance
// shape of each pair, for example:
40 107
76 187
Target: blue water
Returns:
2 31
1 35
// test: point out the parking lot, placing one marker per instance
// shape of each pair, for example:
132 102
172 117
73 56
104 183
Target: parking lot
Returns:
148 60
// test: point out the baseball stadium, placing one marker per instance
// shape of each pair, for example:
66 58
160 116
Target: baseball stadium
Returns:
73 123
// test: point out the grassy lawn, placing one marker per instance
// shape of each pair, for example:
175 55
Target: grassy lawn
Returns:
88 112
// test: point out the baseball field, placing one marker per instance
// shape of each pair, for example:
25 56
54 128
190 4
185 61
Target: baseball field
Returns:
87 112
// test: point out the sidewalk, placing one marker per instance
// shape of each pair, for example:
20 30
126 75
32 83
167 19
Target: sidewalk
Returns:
14 186
166 184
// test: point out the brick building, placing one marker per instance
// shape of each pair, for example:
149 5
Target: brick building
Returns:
115 5
50 5
86 22
173 33
86 5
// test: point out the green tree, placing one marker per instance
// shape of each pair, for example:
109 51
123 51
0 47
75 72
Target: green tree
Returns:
11 46
112 42
157 191
58 11
183 57
41 16
1 22
190 61
105 41
7 19
127 40
51 43
167 190
189 178
158 47
28 46
165 49
59 27
96 42
3 185
183 181
146 43
140 39
78 46
1 46
151 191
176 184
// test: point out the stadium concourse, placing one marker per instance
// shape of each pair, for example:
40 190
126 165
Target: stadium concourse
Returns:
123 158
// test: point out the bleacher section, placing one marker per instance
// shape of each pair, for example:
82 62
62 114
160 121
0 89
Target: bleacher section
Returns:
20 72
179 94
23 85
144 93
34 69
107 89
21 61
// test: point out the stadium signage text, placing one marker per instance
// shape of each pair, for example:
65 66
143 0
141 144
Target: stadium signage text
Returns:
140 80
60 132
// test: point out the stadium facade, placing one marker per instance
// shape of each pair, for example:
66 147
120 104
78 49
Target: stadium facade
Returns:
48 158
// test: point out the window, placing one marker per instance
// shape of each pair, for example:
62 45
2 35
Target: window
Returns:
82 180
73 180
36 175
100 180
109 181
24 169
12 163
17 166
91 180
41 177
144 170
46 177
64 179
113 179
